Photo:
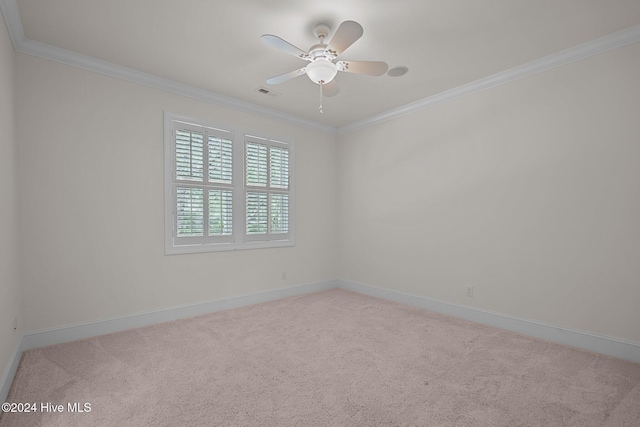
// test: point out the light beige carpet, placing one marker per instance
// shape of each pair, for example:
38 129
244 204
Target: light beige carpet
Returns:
332 358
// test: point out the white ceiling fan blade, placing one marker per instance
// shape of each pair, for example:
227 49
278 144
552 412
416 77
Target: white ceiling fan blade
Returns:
370 68
284 77
284 46
346 34
330 89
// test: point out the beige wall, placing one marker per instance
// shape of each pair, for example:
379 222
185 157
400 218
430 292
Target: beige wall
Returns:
91 175
9 286
528 191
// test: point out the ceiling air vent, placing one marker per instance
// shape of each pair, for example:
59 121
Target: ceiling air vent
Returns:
265 91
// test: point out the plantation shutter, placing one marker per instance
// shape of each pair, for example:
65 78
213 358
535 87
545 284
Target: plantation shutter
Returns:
267 209
220 191
224 191
220 212
189 155
279 167
203 185
190 212
257 213
256 164
220 153
279 213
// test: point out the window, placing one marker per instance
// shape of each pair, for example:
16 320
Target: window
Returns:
225 190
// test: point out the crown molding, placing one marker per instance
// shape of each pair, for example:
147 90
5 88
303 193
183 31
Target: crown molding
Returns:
582 51
11 13
46 51
9 9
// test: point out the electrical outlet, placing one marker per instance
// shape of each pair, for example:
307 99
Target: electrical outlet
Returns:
470 291
284 275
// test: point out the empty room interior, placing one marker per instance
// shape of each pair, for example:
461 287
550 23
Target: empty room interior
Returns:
320 213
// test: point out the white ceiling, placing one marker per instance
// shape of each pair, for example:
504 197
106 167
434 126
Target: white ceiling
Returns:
215 45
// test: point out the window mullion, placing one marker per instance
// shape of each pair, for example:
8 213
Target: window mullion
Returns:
205 181
268 187
206 213
239 189
268 167
269 215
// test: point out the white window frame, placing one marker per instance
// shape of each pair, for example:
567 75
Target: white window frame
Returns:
239 239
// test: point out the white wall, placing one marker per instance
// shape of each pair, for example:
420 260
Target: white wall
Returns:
91 175
528 191
9 286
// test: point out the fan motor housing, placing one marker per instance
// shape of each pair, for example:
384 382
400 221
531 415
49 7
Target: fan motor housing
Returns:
320 51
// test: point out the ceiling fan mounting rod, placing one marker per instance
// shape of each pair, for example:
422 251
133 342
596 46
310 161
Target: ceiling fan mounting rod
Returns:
321 31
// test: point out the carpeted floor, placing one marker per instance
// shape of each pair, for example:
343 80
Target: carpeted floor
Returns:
333 358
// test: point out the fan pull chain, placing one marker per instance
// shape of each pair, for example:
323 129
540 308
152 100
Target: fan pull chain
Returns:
321 112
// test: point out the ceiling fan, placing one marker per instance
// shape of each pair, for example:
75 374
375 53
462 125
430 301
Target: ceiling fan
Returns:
322 69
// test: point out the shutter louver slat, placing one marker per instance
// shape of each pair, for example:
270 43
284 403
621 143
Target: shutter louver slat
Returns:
279 167
256 164
189 155
220 160
189 212
279 213
257 212
220 212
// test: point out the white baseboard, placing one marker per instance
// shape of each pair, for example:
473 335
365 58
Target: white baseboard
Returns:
9 373
597 343
69 333
605 345
106 326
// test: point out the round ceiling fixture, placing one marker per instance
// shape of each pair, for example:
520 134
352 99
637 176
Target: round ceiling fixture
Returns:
321 71
397 71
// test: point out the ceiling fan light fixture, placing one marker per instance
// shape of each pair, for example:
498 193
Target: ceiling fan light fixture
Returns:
321 71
